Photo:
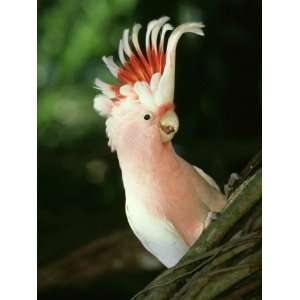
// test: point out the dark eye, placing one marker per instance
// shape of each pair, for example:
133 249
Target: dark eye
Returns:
147 116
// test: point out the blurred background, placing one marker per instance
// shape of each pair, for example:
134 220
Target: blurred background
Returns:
85 247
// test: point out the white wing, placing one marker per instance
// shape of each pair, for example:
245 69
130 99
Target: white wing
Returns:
157 235
209 179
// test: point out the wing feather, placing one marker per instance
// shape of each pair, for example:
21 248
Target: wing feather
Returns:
209 179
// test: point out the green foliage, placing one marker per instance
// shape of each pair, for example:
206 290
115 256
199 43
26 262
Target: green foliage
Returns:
73 35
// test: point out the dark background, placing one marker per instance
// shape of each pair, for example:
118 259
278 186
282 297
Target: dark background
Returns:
218 100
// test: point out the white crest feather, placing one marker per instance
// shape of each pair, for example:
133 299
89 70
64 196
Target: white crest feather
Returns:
121 52
126 42
135 37
165 91
156 30
142 89
105 88
165 28
113 68
103 105
154 82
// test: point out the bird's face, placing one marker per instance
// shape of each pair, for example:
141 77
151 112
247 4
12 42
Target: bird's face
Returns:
135 126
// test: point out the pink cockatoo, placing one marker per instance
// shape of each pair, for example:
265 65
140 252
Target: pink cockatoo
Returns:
169 202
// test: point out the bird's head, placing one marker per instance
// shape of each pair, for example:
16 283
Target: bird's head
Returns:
141 110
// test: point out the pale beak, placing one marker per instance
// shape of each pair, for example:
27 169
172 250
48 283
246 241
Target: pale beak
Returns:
169 125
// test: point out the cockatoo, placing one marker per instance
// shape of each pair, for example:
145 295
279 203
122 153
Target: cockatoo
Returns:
169 202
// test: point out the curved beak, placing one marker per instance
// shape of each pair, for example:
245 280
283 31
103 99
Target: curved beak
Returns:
169 125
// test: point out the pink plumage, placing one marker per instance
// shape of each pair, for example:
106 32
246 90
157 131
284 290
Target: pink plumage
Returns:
168 201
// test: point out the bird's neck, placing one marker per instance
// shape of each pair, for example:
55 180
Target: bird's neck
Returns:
147 164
